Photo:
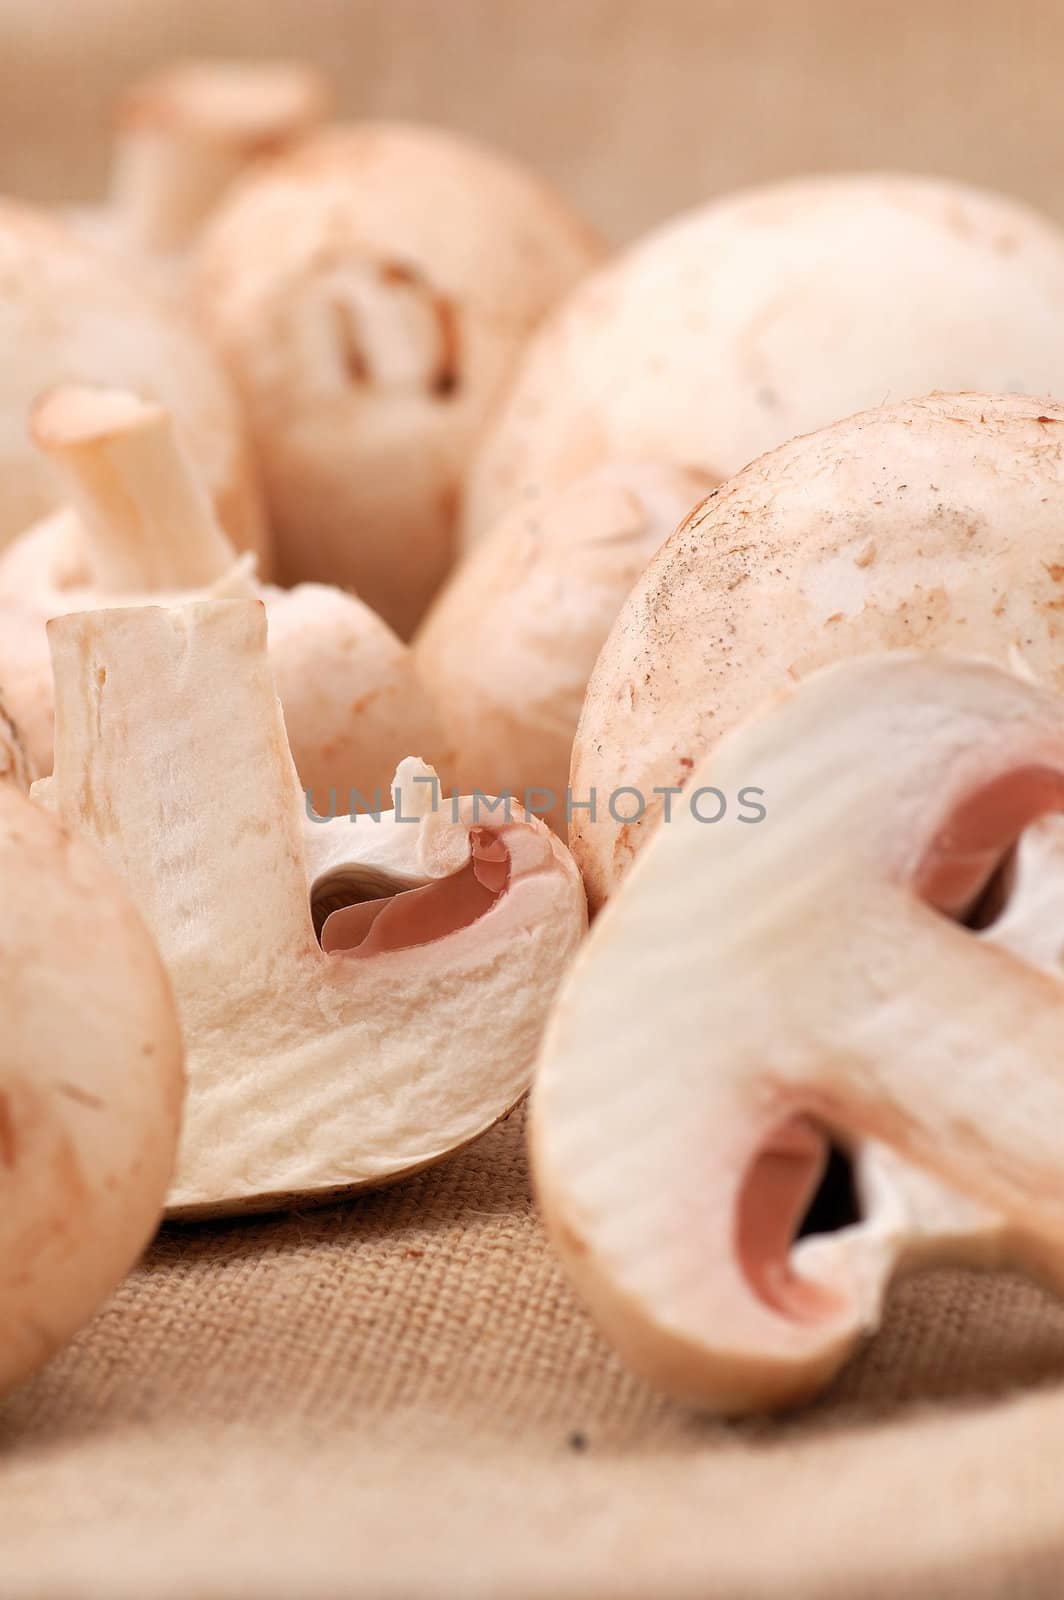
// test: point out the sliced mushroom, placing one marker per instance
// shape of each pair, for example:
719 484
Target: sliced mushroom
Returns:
509 644
825 987
314 1067
141 527
771 312
71 313
372 291
931 524
90 1084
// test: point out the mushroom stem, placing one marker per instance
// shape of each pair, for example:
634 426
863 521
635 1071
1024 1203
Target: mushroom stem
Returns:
148 523
212 870
182 136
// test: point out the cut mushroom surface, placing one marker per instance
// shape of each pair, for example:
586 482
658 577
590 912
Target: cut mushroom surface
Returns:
509 644
311 1070
140 527
90 1084
931 524
771 312
826 987
70 313
372 291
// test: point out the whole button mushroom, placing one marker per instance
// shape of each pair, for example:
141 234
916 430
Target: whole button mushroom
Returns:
509 644
91 1081
933 523
829 987
359 997
372 290
71 313
772 312
141 527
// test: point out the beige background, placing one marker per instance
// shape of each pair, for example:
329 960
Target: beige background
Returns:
637 107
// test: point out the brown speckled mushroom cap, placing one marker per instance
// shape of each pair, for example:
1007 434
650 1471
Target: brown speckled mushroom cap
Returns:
934 524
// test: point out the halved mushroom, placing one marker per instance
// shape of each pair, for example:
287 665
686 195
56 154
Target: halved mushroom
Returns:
315 1065
933 524
774 311
71 313
509 644
186 133
140 527
825 987
90 1084
372 290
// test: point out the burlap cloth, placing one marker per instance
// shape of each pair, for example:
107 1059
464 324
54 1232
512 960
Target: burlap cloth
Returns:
637 108
399 1397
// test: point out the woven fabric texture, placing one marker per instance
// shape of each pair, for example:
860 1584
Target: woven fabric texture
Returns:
400 1397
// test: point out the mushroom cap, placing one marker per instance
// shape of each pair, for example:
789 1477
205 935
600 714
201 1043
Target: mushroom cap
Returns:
775 311
832 980
71 313
372 290
90 1085
509 644
325 644
931 524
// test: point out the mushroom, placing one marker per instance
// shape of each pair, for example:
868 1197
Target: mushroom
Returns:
772 312
359 997
186 133
141 527
509 644
90 1083
372 290
71 313
826 988
14 763
932 523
